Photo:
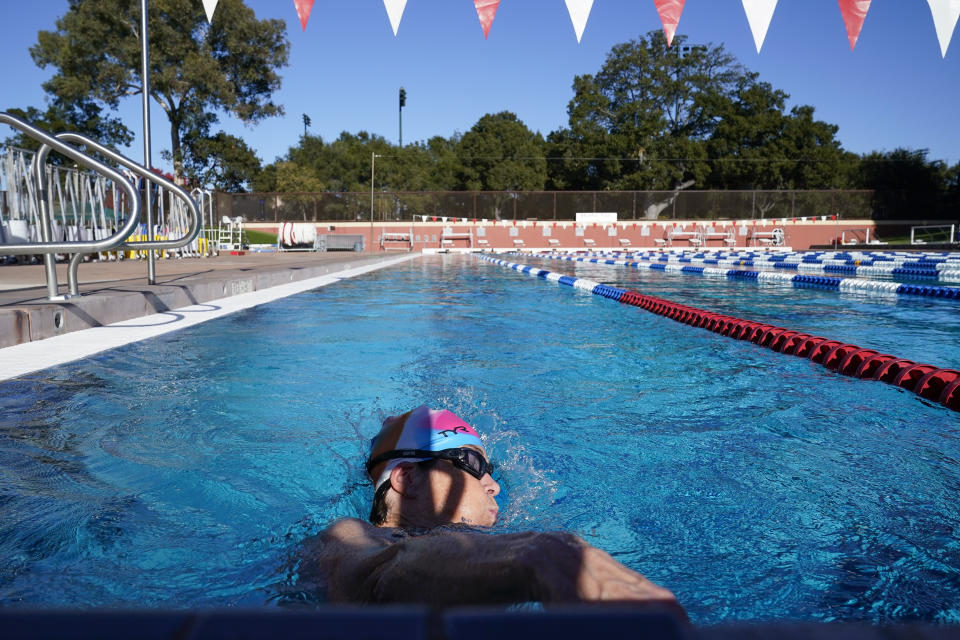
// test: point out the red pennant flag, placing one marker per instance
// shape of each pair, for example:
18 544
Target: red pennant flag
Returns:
304 7
474 221
486 10
534 224
514 223
854 13
434 218
669 11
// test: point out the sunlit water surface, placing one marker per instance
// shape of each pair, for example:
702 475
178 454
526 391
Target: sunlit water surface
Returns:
184 471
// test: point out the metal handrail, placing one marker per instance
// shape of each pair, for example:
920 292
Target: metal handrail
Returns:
46 247
146 174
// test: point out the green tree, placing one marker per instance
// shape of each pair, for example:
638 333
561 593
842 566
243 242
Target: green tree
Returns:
222 161
906 184
663 118
301 183
196 68
646 104
81 116
500 153
757 144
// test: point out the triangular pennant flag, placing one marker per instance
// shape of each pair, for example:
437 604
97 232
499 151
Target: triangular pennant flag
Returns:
854 13
759 14
579 14
210 6
486 10
669 11
304 7
395 12
945 14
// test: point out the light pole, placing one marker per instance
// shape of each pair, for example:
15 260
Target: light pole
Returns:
373 164
403 103
306 123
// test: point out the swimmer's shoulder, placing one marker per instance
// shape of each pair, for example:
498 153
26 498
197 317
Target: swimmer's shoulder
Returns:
354 533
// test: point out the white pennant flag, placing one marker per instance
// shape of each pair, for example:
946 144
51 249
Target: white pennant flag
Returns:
759 14
395 11
210 6
579 14
945 14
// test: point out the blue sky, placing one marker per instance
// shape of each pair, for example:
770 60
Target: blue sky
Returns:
894 90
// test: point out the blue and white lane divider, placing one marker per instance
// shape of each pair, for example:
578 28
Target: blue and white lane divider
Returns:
914 270
583 284
847 285
949 262
915 260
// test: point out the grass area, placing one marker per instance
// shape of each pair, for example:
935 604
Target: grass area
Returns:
260 237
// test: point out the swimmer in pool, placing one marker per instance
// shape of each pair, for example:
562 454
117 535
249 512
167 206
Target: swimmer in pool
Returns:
433 493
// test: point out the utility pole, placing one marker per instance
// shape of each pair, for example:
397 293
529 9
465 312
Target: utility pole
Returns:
403 103
306 123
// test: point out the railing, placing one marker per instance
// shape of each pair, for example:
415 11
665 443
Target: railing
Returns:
34 200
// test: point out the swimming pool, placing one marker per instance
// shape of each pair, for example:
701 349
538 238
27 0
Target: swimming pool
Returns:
183 471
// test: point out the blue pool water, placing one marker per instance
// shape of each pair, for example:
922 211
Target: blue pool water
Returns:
184 471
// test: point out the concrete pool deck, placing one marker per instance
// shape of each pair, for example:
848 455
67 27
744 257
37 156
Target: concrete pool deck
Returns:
116 291
117 306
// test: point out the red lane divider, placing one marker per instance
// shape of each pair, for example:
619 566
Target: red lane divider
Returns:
925 380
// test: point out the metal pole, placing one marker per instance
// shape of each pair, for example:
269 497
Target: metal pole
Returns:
373 164
145 75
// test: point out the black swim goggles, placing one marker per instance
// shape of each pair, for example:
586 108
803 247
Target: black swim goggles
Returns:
469 460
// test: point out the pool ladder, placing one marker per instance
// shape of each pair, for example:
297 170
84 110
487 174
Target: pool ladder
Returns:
116 241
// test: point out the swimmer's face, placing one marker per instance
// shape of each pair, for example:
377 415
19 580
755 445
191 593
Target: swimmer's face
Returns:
460 498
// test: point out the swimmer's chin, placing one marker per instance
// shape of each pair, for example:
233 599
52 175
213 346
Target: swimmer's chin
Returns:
489 522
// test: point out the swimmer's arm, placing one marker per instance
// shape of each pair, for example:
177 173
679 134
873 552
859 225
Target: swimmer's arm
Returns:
362 564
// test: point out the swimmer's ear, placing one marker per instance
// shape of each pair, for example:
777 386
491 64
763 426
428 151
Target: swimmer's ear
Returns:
403 479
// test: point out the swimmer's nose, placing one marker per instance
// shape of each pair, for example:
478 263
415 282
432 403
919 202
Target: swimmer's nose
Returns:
491 485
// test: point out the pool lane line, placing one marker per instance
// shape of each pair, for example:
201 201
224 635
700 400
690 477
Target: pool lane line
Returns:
917 270
949 261
800 281
927 381
914 269
30 357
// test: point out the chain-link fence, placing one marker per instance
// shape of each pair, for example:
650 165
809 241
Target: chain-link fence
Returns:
544 205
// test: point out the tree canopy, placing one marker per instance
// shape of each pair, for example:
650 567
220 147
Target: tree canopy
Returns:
197 69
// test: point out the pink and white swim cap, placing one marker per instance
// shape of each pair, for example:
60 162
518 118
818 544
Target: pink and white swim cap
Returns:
421 428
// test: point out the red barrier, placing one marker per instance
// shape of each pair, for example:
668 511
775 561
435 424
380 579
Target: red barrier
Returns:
927 381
